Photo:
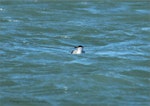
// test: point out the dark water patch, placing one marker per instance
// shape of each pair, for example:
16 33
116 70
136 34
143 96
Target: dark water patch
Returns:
137 73
22 101
7 83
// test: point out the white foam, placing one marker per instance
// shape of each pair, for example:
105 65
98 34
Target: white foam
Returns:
146 29
143 11
12 20
1 9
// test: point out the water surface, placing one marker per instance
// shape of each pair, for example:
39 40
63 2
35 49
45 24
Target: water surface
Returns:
36 67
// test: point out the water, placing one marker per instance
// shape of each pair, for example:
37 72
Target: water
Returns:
37 36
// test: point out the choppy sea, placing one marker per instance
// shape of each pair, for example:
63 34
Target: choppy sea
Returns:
38 69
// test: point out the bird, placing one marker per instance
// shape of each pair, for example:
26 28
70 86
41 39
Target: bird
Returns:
78 50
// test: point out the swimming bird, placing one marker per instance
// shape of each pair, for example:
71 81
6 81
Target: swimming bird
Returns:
78 50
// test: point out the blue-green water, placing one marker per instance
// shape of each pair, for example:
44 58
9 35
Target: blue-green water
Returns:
37 69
